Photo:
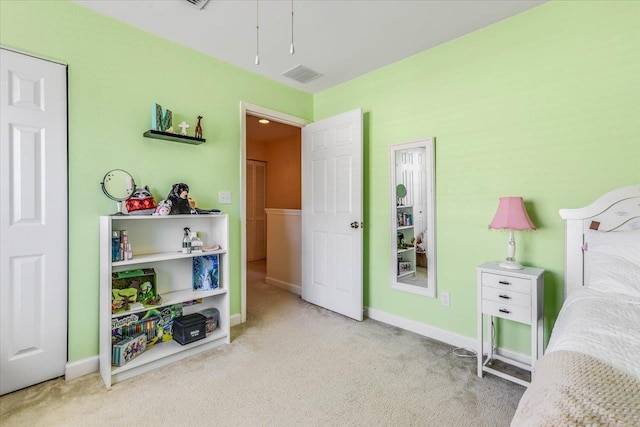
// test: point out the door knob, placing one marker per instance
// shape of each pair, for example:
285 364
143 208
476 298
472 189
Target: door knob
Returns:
355 224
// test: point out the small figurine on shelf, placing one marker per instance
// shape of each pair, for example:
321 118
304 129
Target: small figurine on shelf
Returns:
179 198
183 127
147 295
199 129
141 202
164 208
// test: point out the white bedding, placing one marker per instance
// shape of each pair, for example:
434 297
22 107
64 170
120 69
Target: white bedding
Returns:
603 325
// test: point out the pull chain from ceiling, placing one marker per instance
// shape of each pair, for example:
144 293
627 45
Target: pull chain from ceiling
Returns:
257 35
292 49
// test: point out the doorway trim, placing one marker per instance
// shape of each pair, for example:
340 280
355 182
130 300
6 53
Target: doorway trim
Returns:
277 116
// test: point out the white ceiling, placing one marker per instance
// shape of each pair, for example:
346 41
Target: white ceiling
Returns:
339 39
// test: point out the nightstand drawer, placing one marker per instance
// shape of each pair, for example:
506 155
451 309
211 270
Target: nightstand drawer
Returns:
506 282
511 312
504 296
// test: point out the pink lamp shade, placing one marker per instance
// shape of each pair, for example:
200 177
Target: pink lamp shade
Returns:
511 215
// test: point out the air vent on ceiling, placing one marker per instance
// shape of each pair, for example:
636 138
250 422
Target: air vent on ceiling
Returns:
301 74
197 3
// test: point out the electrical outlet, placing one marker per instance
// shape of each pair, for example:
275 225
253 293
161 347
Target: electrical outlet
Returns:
444 299
224 197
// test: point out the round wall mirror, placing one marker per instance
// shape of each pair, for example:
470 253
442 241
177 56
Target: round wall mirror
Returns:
118 185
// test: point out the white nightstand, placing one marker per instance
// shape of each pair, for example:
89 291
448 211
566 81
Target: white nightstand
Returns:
515 295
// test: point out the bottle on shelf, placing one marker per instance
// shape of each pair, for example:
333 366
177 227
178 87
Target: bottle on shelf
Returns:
124 242
115 246
196 243
186 241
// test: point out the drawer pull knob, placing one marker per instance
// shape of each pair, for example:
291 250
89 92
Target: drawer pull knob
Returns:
503 310
504 296
504 282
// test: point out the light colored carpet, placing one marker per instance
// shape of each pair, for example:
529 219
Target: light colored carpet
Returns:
291 363
418 279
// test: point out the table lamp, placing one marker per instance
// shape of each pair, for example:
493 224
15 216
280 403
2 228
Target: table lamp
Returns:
511 215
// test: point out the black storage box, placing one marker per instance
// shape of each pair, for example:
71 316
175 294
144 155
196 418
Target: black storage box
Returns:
189 328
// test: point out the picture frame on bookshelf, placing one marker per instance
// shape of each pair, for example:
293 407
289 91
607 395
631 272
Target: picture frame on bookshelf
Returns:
206 272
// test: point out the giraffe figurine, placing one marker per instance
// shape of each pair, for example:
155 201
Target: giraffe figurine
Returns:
199 129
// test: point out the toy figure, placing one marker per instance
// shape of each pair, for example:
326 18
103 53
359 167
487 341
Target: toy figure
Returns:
199 128
147 296
183 127
141 202
179 198
164 208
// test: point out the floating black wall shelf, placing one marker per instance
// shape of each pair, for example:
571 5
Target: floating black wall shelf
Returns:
174 137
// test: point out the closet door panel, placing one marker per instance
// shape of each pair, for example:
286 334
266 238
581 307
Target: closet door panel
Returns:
256 216
260 171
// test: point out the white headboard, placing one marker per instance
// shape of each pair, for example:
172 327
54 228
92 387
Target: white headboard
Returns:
617 210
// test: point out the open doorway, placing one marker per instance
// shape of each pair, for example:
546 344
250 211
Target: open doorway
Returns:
271 188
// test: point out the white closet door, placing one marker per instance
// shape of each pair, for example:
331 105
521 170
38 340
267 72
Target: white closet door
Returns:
256 216
251 224
260 172
33 220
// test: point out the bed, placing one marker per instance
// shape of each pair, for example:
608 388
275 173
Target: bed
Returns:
590 372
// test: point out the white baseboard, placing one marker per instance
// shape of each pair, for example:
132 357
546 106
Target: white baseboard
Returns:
448 337
518 357
79 368
235 319
291 287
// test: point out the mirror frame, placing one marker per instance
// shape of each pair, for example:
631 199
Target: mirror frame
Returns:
128 190
429 145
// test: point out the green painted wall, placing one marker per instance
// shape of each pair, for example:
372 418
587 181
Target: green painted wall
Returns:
115 73
545 105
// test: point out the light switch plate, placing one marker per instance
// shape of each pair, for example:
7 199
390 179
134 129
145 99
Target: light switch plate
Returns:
445 299
224 197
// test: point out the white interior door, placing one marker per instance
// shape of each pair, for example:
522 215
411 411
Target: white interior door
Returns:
33 221
332 213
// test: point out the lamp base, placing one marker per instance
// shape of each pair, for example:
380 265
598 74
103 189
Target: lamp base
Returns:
511 265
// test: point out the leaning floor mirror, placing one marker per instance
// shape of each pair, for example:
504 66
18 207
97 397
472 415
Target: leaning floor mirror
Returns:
413 255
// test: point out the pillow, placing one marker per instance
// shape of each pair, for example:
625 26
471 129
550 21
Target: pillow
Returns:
614 261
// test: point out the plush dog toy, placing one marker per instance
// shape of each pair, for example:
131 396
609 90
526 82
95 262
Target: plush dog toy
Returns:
179 198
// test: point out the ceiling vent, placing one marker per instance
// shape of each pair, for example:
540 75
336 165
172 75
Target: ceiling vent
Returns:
301 74
197 3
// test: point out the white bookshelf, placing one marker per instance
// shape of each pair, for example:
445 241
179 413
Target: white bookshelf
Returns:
156 243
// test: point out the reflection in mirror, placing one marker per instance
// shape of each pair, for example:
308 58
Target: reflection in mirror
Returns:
118 185
413 217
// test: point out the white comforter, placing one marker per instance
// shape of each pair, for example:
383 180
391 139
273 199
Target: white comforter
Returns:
603 325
